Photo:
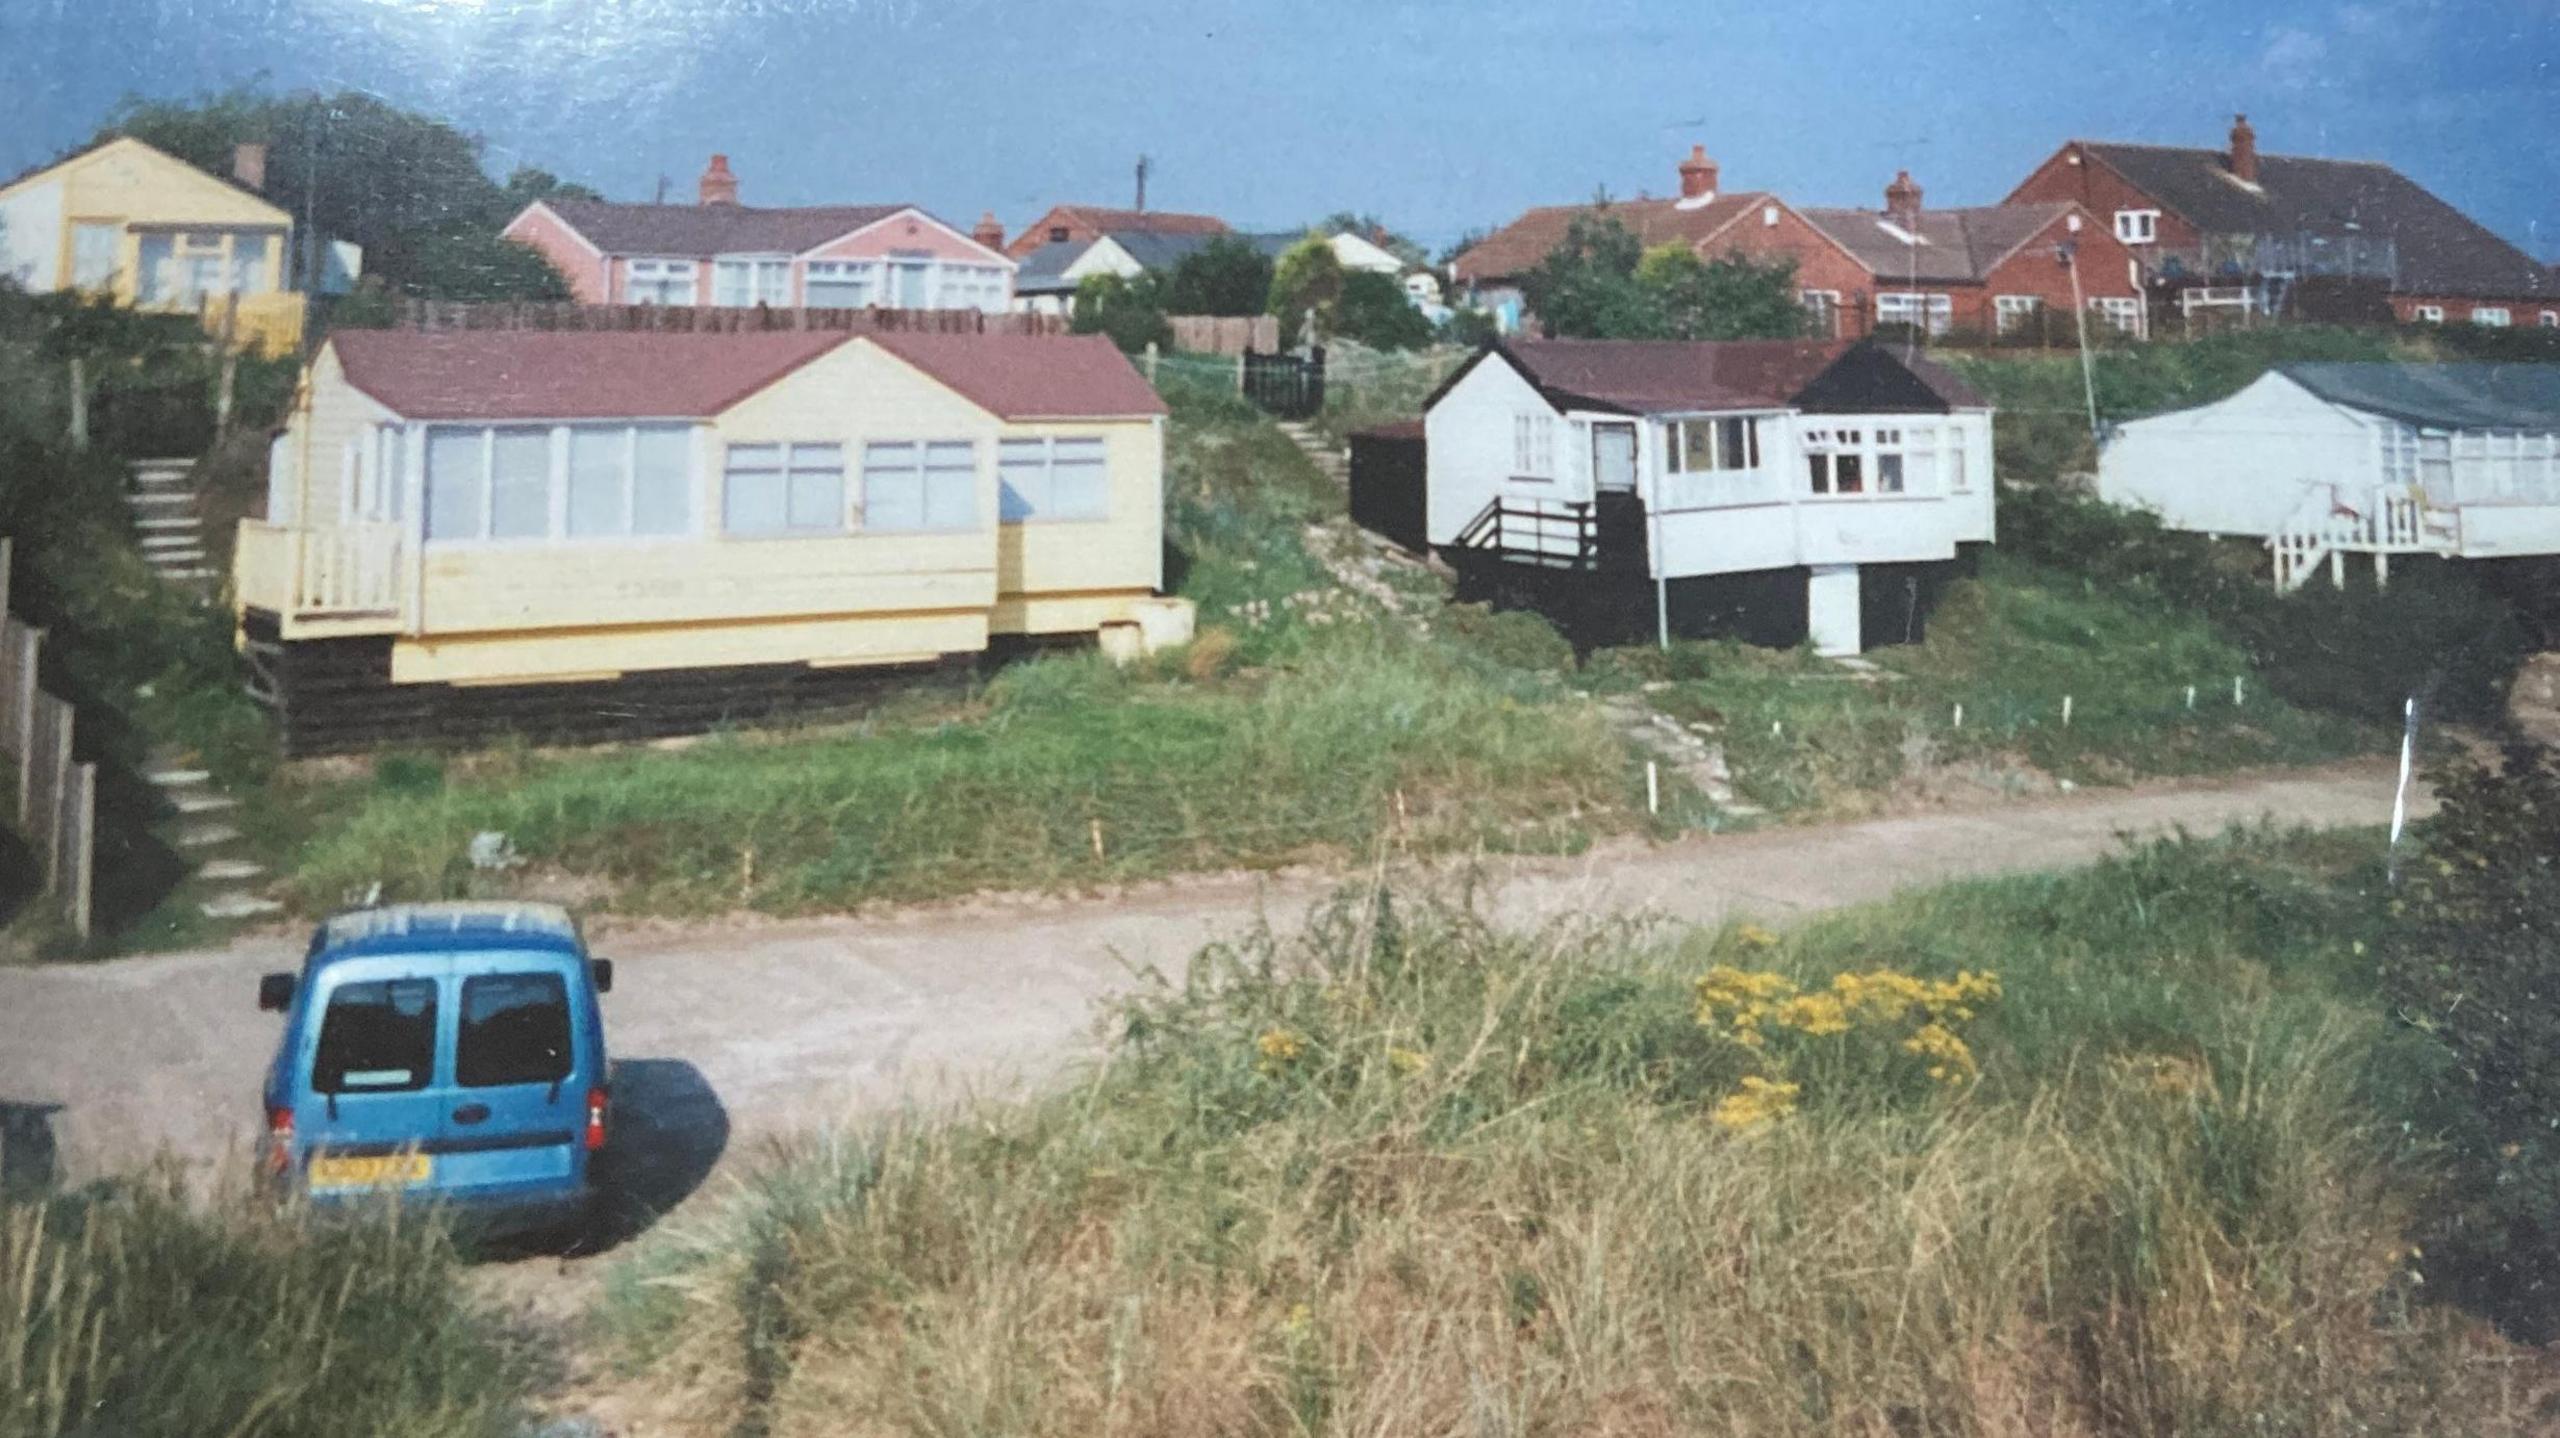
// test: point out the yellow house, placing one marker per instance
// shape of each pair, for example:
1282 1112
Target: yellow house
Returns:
634 532
124 219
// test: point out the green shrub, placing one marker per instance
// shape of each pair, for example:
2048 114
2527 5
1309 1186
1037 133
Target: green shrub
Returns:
405 773
1514 638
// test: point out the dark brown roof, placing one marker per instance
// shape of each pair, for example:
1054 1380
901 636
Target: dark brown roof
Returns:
1031 376
619 229
2441 251
1959 246
568 374
1520 246
1655 376
1160 222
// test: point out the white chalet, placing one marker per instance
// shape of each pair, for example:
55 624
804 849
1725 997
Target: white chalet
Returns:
2323 460
1778 490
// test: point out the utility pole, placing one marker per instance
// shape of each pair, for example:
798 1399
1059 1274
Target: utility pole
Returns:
2068 253
662 190
1142 184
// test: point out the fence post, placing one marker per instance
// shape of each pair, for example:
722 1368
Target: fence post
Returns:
76 845
1151 361
21 718
8 548
79 404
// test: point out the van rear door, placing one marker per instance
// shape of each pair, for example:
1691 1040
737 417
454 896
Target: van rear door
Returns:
373 1098
519 1095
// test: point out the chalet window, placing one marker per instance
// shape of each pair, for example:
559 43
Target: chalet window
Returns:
1834 462
738 282
519 484
94 255
2430 314
249 264
783 489
2122 313
2138 227
2493 316
1822 312
1888 461
1043 479
659 282
1930 314
841 284
2016 312
911 486
1533 446
457 483
629 480
1696 446
182 267
1959 478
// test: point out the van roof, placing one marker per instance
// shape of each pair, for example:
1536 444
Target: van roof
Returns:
427 928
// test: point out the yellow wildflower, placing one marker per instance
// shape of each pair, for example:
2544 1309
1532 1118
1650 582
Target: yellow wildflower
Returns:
1752 936
1407 1061
1951 1060
1820 1015
1759 1103
1280 1046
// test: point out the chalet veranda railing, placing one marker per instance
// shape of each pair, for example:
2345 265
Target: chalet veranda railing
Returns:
2333 521
57 798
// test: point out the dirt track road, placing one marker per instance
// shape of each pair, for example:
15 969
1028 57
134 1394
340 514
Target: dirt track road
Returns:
736 1028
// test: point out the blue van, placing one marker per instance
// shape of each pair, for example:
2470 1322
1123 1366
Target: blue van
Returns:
452 1052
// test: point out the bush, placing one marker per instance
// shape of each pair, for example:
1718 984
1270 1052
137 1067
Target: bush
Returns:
2472 964
1130 311
1514 638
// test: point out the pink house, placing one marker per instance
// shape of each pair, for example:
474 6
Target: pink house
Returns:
719 252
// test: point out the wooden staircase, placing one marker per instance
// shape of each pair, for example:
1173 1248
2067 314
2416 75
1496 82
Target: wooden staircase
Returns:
2333 522
161 493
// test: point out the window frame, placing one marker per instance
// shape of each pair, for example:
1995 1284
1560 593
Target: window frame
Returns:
759 266
2012 313
865 272
1049 444
923 470
658 266
2493 317
559 437
1937 311
2121 311
2137 227
786 469
1533 446
2428 314
467 1077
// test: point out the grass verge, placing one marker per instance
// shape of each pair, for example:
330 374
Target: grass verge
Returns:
1413 1167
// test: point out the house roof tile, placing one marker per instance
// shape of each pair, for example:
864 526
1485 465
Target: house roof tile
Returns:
2448 396
1030 376
569 374
620 229
1673 376
2439 249
1957 246
1520 246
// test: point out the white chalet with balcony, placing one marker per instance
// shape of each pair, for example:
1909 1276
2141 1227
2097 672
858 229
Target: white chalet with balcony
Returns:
1781 491
2324 460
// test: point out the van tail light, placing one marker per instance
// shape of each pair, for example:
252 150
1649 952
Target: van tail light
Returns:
595 1119
279 1140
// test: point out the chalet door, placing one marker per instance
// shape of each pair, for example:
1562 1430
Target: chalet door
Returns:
1613 458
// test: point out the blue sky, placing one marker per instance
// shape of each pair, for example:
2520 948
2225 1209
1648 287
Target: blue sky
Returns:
1440 115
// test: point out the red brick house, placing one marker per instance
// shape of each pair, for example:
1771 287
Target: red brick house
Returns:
1083 224
2235 228
1984 269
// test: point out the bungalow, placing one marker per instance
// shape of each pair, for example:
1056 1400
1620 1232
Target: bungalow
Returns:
2460 461
628 532
1046 283
1986 269
1083 224
1780 490
126 220
2236 230
717 252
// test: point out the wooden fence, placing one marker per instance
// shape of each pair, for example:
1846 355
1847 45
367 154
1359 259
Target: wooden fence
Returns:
1225 334
57 798
689 319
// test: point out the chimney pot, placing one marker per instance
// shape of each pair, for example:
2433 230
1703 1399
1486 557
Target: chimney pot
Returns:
1697 174
989 231
2244 150
1902 200
719 186
249 165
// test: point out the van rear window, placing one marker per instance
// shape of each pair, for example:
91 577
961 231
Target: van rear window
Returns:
515 1029
377 1037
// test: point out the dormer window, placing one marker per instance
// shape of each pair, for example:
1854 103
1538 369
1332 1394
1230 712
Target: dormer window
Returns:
1057 234
2138 227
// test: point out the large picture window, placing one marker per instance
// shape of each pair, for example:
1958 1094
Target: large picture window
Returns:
1929 314
585 481
1046 479
659 282
841 284
784 489
1695 446
738 282
916 486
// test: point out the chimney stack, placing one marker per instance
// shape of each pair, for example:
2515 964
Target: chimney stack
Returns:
719 187
990 230
2244 150
1697 174
1902 201
249 165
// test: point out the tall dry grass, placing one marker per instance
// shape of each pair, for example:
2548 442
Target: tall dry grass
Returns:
1474 1191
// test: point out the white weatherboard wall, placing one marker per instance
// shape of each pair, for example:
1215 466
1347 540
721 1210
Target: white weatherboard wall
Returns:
2241 465
31 237
1468 439
1779 523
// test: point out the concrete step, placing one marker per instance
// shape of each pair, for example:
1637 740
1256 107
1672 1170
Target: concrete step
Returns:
159 543
162 479
197 575
158 499
238 906
204 802
205 834
230 871
151 524
172 561
176 778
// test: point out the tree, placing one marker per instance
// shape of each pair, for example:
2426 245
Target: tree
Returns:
1375 311
1731 298
528 184
408 188
1130 311
1306 280
1226 276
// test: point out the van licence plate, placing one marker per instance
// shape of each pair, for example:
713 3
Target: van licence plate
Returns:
373 1172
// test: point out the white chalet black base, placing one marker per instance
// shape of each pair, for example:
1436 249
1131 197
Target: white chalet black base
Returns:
1599 609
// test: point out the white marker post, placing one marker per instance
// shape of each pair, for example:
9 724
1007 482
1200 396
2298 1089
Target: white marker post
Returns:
2066 711
2191 696
2400 795
2237 691
1957 720
1652 787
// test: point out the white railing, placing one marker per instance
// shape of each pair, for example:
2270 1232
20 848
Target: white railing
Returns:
2383 519
347 569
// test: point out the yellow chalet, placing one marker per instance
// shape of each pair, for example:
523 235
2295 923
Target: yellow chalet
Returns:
619 533
124 219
